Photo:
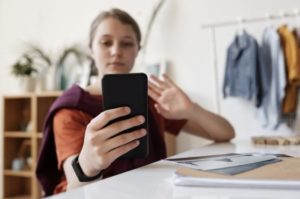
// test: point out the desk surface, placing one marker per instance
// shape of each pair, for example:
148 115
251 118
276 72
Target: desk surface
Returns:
155 180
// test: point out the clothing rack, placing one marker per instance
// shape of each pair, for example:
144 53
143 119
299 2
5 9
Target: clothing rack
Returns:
242 20
239 21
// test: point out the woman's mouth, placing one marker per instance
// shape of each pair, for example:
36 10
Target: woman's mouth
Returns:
116 64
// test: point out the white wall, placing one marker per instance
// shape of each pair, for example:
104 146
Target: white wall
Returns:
188 47
176 36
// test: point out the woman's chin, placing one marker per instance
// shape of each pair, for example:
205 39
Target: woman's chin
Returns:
117 71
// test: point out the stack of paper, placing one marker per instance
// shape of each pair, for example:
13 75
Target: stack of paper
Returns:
228 164
239 170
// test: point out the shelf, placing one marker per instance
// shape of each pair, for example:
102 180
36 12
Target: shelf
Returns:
33 94
25 173
18 134
23 121
18 187
49 94
17 113
19 96
19 197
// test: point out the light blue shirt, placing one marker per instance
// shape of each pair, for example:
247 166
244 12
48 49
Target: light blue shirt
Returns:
272 77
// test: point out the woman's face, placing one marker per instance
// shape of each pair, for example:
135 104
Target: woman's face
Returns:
114 47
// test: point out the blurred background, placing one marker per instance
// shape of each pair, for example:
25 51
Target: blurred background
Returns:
44 49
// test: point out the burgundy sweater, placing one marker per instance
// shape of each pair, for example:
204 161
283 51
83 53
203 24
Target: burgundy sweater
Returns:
47 170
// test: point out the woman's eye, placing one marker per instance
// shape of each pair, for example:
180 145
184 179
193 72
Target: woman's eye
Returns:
105 43
127 44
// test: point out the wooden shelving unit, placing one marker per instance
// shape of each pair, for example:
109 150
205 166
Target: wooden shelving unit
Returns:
22 132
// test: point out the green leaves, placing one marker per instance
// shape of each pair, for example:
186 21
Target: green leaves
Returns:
30 61
34 59
24 66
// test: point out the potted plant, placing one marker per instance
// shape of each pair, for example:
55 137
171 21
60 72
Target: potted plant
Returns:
30 68
24 69
38 72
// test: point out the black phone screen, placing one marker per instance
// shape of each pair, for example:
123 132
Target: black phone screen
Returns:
128 90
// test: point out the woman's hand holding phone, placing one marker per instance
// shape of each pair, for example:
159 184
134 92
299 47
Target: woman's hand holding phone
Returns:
102 144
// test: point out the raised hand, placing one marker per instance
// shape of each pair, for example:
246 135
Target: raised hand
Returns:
171 101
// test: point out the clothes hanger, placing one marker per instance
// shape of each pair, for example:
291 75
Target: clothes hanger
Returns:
268 19
297 14
297 25
240 25
282 16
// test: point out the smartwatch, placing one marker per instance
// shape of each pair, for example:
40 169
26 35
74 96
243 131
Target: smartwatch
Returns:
79 173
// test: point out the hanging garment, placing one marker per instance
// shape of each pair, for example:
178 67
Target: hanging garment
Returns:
273 77
241 78
290 49
296 122
296 33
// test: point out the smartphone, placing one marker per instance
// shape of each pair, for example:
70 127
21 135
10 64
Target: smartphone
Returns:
130 90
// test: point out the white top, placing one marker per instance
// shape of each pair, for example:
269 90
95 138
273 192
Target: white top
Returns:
155 180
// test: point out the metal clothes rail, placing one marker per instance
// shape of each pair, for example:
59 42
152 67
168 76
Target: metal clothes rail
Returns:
239 22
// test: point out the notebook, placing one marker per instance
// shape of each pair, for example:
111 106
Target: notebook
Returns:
281 175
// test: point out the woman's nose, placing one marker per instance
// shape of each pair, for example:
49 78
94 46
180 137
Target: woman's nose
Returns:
115 50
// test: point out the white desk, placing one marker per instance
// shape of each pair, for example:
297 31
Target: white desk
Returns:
155 180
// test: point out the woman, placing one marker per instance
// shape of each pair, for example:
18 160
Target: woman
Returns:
87 149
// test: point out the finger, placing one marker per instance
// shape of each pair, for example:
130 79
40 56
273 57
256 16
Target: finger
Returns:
159 82
157 108
118 127
155 87
123 139
103 118
168 81
154 95
114 154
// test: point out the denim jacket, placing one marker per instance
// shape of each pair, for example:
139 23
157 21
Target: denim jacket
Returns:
242 77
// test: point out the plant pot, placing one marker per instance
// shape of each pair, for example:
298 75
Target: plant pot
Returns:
50 79
27 83
40 84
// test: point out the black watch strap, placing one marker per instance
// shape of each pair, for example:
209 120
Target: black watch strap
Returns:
79 173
